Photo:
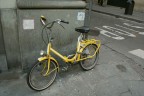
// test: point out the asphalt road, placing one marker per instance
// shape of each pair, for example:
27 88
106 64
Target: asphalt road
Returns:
121 35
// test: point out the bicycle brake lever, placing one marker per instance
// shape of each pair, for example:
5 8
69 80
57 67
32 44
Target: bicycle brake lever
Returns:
62 26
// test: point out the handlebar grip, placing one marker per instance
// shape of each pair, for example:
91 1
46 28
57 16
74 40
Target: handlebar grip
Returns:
64 21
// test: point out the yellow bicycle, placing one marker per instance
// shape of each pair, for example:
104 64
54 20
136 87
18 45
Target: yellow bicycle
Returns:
43 73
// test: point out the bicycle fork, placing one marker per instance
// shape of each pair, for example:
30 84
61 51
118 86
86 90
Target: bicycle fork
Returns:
48 65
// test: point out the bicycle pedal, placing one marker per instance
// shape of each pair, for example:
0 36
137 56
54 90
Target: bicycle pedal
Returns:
75 62
64 68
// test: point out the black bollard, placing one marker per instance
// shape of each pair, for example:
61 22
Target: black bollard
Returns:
129 7
100 2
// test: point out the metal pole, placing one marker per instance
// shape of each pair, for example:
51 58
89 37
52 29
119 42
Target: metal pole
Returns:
89 18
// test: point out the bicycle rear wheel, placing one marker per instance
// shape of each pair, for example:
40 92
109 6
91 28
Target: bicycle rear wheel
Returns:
36 79
89 63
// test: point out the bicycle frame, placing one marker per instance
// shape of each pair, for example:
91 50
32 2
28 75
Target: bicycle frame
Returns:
80 48
81 44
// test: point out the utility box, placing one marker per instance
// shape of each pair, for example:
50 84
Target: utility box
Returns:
30 27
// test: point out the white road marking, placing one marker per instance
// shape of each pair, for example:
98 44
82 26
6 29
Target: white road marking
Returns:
119 31
131 25
142 33
138 52
110 34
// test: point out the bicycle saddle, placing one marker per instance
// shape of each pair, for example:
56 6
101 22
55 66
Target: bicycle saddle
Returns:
83 29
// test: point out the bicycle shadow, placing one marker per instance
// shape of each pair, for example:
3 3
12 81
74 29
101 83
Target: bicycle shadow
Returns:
73 69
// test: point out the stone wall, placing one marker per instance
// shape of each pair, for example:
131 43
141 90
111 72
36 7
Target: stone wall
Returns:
19 48
7 3
139 5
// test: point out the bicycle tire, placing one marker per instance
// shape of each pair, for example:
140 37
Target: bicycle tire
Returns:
39 78
89 63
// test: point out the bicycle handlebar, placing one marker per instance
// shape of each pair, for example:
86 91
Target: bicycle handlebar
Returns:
66 22
56 21
50 25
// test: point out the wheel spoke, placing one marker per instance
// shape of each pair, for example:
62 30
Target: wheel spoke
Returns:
91 58
37 80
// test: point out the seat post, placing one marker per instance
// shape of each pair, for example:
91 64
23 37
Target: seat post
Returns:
85 36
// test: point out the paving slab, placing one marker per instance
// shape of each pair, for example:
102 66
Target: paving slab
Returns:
126 94
113 86
136 87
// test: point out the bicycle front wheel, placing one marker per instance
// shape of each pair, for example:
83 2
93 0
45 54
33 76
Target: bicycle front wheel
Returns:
36 78
89 63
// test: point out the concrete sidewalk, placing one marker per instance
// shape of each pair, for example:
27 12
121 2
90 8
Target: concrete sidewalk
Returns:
119 13
113 76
